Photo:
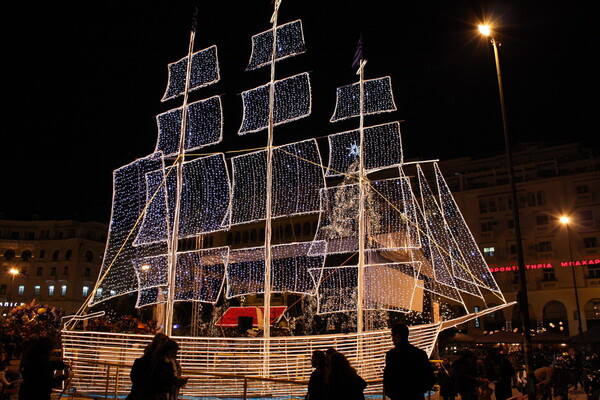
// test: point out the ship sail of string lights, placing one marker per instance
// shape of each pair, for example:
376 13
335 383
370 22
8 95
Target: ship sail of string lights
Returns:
390 239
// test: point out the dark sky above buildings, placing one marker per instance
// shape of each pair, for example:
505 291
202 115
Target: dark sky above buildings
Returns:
84 81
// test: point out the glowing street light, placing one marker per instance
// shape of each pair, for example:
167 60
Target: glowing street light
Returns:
565 220
522 297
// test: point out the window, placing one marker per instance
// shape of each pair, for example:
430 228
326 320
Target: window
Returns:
590 242
9 254
87 271
483 206
512 249
99 291
489 251
42 253
581 189
541 198
544 246
85 291
3 289
14 235
89 256
487 226
21 290
541 220
51 290
66 270
586 217
55 255
492 205
594 271
549 275
68 254
26 255
530 200
63 290
36 290
53 271
39 271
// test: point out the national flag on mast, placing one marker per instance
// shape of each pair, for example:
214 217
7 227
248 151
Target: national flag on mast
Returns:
358 54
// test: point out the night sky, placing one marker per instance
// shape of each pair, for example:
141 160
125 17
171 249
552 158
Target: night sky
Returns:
84 81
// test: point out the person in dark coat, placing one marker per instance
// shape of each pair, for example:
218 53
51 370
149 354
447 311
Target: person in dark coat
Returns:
141 369
465 376
408 374
38 369
343 382
165 374
445 381
502 376
317 382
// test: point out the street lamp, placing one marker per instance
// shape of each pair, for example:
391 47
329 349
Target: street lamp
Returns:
565 220
13 272
522 297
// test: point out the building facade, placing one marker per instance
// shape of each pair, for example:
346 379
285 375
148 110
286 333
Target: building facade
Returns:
562 259
51 262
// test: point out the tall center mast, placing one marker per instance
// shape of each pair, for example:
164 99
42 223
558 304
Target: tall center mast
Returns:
361 208
269 184
173 247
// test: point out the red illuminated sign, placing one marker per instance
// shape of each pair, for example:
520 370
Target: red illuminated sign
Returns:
574 263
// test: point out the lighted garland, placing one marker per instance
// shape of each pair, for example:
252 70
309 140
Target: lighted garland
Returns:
204 72
204 126
290 42
205 196
443 240
292 102
464 238
432 266
200 275
292 270
117 275
337 290
377 98
158 217
297 174
392 287
382 147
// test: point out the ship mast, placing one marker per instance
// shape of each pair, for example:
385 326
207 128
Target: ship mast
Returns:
169 312
361 208
269 184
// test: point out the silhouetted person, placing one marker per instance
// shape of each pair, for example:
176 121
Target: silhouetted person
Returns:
465 376
408 373
502 376
38 369
141 369
317 389
165 374
343 382
445 381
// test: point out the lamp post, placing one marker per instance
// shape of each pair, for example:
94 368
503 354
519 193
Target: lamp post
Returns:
565 220
522 297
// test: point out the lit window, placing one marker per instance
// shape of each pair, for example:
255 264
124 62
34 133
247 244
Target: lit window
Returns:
51 290
21 290
99 291
489 251
63 290
86 291
36 290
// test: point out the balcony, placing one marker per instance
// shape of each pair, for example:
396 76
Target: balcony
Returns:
591 251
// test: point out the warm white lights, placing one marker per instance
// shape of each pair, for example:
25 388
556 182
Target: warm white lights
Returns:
564 220
484 29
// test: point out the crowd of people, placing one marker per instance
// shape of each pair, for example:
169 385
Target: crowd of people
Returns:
124 324
476 374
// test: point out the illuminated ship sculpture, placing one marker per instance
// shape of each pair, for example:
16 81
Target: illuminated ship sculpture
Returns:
386 241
